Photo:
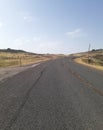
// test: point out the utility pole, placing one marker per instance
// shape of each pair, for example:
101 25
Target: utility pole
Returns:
89 47
88 53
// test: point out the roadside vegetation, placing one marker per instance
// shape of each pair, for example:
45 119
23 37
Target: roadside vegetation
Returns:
10 57
93 58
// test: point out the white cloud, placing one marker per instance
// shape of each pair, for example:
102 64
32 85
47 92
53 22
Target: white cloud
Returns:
18 42
76 33
49 47
28 18
39 44
1 24
45 45
37 39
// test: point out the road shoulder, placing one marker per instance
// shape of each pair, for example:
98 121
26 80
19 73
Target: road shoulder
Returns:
79 60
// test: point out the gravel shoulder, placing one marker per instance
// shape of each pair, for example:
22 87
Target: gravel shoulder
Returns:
11 71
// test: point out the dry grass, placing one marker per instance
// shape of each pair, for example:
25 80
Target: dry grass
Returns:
95 59
18 59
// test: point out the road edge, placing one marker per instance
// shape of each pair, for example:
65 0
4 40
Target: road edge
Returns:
79 61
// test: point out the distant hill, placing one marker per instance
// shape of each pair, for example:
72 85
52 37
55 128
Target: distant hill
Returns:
96 50
12 50
15 51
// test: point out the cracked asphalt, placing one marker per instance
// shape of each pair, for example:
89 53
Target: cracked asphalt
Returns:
55 95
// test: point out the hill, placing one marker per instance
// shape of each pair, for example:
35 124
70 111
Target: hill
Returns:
11 57
12 50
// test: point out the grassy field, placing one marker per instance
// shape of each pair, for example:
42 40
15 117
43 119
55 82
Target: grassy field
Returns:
21 58
93 58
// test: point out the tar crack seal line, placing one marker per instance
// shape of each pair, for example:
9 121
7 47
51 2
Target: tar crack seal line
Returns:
12 121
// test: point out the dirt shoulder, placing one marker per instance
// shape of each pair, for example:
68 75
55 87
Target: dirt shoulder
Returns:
10 71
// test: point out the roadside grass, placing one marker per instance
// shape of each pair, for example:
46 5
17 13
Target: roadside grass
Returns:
80 61
95 60
17 59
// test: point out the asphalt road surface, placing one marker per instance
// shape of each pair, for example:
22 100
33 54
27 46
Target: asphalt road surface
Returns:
55 95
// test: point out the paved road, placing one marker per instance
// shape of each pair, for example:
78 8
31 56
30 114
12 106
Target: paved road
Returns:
56 95
6 72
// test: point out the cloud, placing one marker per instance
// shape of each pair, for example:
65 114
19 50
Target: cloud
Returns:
39 44
28 18
49 47
46 45
76 33
1 24
18 42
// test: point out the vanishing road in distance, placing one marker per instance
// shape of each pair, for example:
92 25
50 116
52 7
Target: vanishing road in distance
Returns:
55 95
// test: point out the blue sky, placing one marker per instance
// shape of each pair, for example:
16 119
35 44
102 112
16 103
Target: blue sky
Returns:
51 26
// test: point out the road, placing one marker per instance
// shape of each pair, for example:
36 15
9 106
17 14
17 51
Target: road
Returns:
55 95
6 72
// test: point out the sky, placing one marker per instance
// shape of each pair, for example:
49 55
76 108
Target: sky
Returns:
51 26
